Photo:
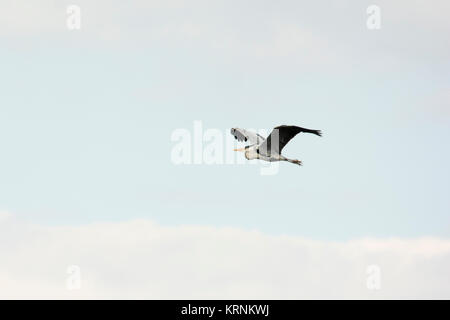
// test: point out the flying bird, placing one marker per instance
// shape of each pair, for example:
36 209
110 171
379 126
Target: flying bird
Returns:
269 149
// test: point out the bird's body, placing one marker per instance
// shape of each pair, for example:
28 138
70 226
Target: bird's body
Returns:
269 149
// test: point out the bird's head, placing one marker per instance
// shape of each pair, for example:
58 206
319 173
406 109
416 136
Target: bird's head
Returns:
245 149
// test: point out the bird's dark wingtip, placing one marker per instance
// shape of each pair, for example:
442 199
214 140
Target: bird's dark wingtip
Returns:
319 133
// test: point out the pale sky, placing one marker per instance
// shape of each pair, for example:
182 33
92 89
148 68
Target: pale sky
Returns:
86 118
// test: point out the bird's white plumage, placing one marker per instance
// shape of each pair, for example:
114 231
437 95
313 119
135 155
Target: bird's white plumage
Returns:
269 149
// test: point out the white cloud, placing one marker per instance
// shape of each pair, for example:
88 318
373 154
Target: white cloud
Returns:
4 215
437 104
140 259
26 18
295 33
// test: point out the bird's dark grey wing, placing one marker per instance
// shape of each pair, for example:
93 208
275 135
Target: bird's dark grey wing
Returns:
280 136
246 136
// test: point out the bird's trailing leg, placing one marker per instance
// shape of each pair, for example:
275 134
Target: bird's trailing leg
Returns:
294 161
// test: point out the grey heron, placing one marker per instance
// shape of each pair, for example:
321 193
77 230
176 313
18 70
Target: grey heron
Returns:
269 149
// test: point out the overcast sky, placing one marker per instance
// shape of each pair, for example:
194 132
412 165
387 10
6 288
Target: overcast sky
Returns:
86 118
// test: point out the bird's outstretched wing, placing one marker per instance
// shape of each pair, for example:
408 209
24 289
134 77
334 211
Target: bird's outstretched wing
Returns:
281 135
246 136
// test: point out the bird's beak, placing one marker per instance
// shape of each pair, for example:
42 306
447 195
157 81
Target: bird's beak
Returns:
241 149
